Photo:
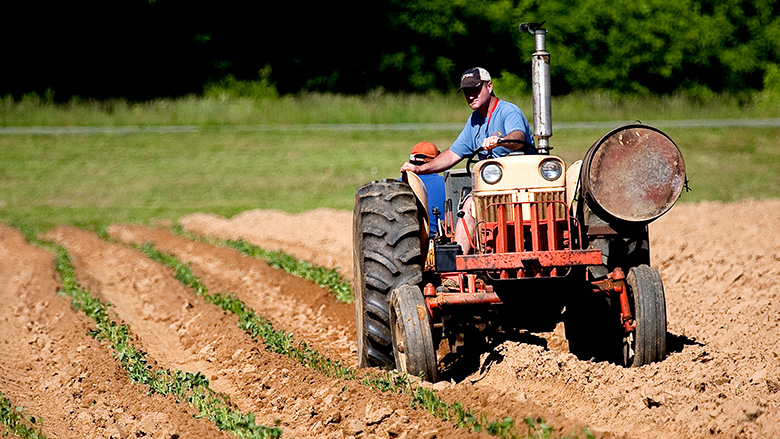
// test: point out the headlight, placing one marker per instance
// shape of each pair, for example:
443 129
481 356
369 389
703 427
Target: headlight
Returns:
550 169
491 173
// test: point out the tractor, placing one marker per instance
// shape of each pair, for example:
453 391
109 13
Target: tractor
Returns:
552 244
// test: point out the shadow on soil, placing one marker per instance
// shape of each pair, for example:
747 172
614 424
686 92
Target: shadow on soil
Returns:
458 366
676 343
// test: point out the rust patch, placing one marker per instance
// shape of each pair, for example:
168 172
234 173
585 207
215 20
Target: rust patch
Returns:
422 312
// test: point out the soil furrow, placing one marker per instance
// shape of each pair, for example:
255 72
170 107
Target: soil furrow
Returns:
721 268
321 236
49 364
180 331
293 305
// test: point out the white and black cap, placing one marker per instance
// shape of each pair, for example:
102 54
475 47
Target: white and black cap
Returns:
473 77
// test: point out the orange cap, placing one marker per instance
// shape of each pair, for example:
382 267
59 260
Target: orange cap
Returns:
426 149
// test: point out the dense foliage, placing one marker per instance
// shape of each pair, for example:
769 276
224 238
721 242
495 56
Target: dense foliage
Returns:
144 49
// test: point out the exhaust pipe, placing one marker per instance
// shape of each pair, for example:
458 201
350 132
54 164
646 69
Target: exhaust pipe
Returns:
540 74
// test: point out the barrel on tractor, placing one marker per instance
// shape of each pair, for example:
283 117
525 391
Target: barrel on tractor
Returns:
551 244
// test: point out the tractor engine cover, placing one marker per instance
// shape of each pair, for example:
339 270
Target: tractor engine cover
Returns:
634 173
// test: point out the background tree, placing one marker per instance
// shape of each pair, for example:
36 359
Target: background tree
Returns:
138 49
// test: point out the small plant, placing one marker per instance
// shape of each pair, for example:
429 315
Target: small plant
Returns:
18 422
537 428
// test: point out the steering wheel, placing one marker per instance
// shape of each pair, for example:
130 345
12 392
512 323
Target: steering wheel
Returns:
470 162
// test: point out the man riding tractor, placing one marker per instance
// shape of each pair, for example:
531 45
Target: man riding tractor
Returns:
521 244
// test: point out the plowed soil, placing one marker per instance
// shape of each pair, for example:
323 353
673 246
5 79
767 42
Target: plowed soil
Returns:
721 268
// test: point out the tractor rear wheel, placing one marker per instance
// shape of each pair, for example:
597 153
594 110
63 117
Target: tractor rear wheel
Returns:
412 336
386 256
647 344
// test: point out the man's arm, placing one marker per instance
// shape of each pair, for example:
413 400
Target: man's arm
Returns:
441 162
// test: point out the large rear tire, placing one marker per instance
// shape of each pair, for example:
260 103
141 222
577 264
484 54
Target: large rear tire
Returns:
386 256
647 344
412 336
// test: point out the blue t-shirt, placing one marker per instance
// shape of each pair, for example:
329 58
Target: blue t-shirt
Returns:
434 186
506 117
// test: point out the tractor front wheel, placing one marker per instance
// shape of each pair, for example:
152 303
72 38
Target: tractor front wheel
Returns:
412 336
646 344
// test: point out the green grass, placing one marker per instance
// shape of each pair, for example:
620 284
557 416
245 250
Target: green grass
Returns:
93 180
377 107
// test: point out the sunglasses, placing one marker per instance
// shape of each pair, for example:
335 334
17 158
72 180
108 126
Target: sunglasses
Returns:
419 158
473 90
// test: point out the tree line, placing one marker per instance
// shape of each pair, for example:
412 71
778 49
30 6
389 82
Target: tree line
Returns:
144 49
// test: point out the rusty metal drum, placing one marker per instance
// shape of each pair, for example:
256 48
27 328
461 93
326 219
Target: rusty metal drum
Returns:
634 173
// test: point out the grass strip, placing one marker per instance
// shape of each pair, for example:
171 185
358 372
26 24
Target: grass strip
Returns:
18 422
325 277
391 381
189 387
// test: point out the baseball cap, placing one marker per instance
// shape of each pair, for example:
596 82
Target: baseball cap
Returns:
473 77
426 149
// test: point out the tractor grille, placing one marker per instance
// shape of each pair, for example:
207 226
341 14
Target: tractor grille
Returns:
485 214
481 204
559 208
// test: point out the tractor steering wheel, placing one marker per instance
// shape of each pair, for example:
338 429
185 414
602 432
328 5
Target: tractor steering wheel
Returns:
473 158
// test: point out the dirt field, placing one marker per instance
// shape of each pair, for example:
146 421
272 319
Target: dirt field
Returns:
721 268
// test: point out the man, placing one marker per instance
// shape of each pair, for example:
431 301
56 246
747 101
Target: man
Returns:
422 153
491 120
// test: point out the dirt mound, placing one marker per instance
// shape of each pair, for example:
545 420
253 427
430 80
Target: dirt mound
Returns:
721 268
321 236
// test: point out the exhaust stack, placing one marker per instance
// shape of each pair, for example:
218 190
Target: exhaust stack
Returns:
540 74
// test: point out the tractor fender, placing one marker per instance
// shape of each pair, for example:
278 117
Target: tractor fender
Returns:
572 181
418 187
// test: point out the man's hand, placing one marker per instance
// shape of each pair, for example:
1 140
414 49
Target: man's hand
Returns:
490 143
441 162
410 167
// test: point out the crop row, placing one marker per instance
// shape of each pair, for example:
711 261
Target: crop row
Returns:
281 343
194 387
328 278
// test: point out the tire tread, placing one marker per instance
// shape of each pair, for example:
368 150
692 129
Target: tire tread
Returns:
386 256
